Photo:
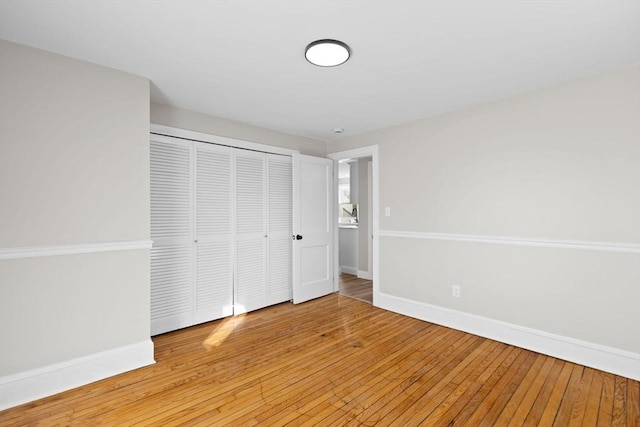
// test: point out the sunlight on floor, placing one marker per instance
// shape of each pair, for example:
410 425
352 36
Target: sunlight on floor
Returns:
222 331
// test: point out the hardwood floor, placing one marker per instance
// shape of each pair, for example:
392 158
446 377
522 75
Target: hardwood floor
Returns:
353 287
336 361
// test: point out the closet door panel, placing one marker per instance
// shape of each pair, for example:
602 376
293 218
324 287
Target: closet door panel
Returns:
280 271
171 232
214 232
214 281
279 229
171 288
250 275
250 193
250 284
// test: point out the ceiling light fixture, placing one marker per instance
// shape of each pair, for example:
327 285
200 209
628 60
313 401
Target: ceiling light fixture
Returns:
327 53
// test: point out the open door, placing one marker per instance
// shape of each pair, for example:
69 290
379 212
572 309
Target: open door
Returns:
312 227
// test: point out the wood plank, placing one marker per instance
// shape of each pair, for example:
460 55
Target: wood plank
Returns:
377 385
489 398
577 415
427 398
358 355
605 409
531 394
536 408
547 413
633 403
318 409
449 408
592 403
563 415
507 413
507 390
338 361
473 406
249 376
619 416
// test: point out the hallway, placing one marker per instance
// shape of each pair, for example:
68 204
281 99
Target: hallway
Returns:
353 287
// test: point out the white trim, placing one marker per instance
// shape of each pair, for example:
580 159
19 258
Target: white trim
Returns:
221 140
364 275
348 270
566 244
42 382
616 361
80 248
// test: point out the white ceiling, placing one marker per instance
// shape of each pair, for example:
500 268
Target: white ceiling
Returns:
244 60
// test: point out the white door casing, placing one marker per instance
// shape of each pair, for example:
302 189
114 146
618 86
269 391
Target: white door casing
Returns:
313 220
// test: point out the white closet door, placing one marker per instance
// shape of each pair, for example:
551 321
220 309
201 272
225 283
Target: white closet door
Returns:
171 232
214 233
279 229
250 283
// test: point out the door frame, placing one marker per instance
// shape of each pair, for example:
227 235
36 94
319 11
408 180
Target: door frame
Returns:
368 151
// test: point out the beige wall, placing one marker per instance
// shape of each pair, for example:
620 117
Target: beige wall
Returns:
74 170
199 122
57 308
557 164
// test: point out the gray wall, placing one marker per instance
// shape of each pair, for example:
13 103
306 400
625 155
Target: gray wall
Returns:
198 122
74 169
348 250
556 164
363 200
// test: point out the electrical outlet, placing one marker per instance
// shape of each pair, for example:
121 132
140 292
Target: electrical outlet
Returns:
455 291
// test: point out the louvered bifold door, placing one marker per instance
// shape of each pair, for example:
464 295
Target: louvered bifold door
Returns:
214 233
279 229
171 232
250 283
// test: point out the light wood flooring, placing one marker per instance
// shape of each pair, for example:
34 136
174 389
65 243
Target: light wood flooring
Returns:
353 287
336 361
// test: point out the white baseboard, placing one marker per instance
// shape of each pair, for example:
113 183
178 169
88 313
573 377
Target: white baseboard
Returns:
348 270
364 275
596 356
28 386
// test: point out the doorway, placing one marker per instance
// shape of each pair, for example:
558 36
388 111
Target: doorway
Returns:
356 223
354 287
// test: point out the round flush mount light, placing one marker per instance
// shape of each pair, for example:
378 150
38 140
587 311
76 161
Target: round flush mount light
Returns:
327 53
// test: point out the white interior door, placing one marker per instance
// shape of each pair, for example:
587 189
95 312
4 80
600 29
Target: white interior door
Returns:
313 227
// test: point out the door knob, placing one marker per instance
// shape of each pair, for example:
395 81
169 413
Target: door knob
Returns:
298 237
